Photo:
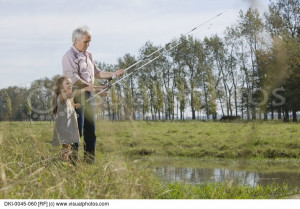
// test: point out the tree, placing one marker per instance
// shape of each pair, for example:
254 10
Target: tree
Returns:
8 107
145 98
114 99
128 102
275 70
181 96
28 109
283 18
232 45
217 54
124 62
282 22
212 97
40 94
170 103
291 85
196 101
153 99
251 29
152 73
189 57
159 99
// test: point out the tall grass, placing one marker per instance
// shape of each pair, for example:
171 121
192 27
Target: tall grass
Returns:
225 191
33 169
30 167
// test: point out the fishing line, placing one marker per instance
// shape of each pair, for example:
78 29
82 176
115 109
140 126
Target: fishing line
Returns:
109 85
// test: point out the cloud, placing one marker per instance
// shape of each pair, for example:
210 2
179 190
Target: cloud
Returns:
35 34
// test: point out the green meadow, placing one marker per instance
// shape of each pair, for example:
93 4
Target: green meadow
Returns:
31 168
268 140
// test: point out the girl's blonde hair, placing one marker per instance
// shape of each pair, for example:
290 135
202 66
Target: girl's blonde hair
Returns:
57 88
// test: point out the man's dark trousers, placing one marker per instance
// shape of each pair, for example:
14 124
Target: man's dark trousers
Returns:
86 125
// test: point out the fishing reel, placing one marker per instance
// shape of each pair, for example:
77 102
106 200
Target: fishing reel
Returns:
107 83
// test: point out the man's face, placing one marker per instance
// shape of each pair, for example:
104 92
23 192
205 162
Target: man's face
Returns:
83 43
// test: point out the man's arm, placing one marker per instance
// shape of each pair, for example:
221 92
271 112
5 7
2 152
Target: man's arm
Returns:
104 75
81 83
108 75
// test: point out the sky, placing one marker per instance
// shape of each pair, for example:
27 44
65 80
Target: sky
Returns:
35 34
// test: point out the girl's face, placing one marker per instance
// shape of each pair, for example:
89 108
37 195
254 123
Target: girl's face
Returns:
67 85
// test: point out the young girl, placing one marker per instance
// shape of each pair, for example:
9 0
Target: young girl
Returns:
66 129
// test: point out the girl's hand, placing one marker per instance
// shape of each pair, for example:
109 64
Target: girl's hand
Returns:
77 106
99 88
90 88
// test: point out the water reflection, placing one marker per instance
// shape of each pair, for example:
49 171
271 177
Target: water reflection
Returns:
213 175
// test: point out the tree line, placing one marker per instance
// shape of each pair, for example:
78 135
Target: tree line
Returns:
253 71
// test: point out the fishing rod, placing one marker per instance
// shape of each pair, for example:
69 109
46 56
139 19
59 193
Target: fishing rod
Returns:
108 85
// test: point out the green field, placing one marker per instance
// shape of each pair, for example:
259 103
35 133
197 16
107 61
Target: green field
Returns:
203 139
30 167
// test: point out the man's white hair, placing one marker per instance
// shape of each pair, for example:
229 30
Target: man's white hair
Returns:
79 32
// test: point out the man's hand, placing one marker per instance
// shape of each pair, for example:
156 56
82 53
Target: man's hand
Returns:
119 73
100 88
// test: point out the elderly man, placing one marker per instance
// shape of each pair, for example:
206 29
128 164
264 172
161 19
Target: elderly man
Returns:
79 65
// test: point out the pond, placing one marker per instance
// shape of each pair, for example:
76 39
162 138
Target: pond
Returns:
240 172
